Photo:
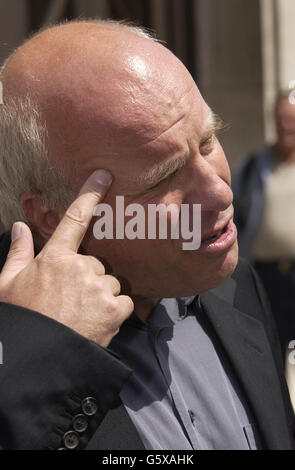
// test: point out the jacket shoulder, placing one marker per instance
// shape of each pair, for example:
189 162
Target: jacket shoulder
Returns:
249 292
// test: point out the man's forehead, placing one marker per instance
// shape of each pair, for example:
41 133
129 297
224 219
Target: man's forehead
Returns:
104 122
99 67
94 109
196 119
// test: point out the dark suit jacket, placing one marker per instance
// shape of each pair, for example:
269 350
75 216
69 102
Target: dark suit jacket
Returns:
48 370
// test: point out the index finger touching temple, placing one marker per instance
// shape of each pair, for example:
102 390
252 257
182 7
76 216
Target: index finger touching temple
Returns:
74 224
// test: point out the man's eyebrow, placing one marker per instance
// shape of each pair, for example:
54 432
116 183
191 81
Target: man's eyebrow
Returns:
214 124
163 170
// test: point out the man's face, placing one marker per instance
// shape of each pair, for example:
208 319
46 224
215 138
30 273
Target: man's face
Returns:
182 126
141 117
285 122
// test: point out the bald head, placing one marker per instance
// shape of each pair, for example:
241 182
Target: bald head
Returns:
96 85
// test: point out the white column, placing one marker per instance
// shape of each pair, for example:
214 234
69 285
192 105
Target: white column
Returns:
286 41
228 48
278 55
270 64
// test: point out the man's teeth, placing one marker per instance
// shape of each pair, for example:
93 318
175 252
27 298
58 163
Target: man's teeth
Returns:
212 239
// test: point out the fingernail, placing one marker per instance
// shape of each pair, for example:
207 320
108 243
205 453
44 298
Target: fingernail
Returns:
16 231
103 177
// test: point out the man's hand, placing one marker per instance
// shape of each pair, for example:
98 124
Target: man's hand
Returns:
68 287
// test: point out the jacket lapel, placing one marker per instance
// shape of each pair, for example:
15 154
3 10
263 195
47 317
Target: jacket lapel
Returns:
244 340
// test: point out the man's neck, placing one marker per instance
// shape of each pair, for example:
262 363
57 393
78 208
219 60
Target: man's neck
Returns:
143 307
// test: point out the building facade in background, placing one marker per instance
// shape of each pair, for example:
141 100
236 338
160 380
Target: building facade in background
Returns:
240 53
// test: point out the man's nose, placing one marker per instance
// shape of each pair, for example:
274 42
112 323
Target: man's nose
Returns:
210 188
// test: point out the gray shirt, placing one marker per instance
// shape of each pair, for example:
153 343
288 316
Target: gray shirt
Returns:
182 393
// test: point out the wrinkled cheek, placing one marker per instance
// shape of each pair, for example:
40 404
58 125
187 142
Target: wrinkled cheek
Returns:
227 171
222 165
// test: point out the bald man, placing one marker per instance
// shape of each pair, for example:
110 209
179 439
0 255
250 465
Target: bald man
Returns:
130 342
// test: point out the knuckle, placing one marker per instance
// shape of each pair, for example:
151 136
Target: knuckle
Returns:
99 285
113 282
89 286
80 266
129 305
99 267
74 215
111 306
48 255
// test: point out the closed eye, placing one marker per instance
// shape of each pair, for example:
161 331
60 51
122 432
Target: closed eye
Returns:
165 180
207 144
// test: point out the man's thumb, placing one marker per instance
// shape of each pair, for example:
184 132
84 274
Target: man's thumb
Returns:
21 251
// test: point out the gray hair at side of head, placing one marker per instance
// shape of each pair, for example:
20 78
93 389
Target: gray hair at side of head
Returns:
24 161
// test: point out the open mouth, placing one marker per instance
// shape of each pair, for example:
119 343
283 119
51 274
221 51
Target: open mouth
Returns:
215 237
221 241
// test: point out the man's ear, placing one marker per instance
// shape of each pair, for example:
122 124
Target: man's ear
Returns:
43 220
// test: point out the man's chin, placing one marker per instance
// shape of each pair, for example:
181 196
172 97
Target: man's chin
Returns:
219 271
226 265
185 280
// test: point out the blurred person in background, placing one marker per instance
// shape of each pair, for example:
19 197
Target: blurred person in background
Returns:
264 194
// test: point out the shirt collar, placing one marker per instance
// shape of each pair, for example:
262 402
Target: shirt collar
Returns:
166 313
